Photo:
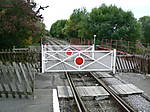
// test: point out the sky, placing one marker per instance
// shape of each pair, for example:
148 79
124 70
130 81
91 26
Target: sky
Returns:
62 9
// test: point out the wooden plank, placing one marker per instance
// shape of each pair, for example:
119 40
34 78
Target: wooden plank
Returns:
27 74
29 71
17 92
125 89
104 75
127 64
118 90
65 91
117 64
25 77
136 90
14 79
7 80
4 56
124 65
1 58
92 91
2 84
138 63
0 89
10 79
135 63
120 62
130 64
31 75
17 72
20 80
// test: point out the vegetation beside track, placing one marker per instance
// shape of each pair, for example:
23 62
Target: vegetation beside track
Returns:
20 24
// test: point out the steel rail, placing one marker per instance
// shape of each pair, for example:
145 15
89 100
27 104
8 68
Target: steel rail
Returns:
76 95
121 102
80 103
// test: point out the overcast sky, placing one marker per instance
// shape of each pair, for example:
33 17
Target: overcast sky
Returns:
62 9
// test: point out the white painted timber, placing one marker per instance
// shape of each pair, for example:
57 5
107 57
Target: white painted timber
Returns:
55 101
65 91
125 89
94 60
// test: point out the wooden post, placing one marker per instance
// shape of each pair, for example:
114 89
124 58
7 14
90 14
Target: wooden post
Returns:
12 72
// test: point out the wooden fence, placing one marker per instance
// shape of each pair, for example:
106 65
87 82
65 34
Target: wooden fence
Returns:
19 56
133 63
16 79
17 73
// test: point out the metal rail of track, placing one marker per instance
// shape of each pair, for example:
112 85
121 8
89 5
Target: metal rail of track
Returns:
115 96
79 102
76 95
126 107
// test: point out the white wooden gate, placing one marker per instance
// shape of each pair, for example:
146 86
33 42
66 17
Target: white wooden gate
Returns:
76 58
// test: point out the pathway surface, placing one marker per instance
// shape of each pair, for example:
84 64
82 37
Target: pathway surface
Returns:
45 83
43 99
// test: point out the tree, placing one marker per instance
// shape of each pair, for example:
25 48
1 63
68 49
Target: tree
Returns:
114 23
57 27
145 23
77 24
106 22
19 24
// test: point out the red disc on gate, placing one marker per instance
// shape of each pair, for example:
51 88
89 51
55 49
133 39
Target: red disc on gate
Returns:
69 52
79 60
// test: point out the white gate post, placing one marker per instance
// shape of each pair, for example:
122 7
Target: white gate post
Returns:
93 49
42 57
114 62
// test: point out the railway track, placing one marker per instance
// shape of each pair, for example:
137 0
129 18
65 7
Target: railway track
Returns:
115 96
91 80
115 103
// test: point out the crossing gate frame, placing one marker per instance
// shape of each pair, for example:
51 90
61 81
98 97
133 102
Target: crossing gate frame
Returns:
61 58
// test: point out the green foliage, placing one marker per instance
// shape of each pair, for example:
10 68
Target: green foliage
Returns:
114 23
57 28
77 24
145 23
106 22
139 50
19 25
